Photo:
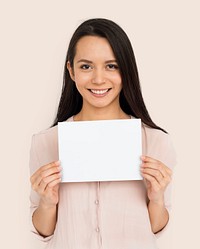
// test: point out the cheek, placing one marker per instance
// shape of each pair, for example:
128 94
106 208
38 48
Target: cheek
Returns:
117 80
81 83
81 79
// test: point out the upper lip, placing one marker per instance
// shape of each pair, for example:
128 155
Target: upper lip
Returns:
99 89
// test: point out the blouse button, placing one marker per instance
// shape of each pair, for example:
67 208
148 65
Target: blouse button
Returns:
97 229
97 202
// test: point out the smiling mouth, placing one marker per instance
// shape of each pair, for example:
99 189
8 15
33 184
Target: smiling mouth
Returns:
99 91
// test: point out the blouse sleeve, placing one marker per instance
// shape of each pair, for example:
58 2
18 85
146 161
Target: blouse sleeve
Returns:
34 197
160 147
169 159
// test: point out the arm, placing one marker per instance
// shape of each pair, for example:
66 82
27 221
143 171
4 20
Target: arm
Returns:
158 215
157 176
44 219
45 181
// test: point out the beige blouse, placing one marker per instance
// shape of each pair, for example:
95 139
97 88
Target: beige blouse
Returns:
106 215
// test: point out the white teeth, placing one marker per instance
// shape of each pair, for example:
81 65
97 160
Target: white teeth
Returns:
99 91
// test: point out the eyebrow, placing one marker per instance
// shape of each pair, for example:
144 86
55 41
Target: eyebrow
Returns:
88 61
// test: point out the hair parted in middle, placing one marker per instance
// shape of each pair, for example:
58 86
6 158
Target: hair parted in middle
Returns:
131 100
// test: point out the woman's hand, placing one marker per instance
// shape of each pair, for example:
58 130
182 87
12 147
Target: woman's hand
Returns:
156 176
45 181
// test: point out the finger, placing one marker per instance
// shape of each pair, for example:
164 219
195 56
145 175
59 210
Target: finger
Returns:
51 178
154 173
43 168
156 167
48 175
47 181
169 171
148 159
54 183
39 175
49 165
166 180
162 181
155 185
51 171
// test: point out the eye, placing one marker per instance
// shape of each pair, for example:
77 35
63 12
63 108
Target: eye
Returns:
85 67
112 66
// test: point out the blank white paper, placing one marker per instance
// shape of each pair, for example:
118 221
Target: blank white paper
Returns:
105 150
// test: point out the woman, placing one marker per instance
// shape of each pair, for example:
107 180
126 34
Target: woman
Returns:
100 83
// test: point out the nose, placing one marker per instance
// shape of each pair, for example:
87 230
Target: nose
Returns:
98 76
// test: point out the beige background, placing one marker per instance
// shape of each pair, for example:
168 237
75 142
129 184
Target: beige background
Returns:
34 38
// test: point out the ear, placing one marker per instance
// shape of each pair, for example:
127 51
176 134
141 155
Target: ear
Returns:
71 71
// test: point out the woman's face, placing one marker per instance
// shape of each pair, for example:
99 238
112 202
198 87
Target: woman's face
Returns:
96 73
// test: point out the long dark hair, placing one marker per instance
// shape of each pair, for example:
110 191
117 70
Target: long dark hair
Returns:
131 100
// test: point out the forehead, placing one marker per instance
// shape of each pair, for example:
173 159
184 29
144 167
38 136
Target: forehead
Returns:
94 47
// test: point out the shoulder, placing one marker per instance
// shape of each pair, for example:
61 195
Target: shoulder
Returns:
51 132
48 132
154 134
48 135
45 140
158 144
44 148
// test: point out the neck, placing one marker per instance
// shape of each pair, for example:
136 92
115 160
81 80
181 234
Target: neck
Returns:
100 114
